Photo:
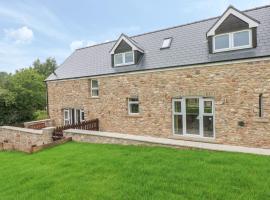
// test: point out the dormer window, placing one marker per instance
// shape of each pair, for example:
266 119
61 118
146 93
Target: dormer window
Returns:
232 41
125 52
232 31
126 58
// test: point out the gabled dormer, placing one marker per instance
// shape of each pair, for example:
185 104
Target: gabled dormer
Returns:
125 52
234 30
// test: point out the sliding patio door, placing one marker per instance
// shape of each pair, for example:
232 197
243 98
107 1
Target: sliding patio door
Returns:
193 116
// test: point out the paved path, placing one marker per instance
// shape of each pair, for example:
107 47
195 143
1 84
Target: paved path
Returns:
180 143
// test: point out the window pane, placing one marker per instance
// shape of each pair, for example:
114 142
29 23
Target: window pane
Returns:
82 115
178 124
118 59
192 116
222 42
129 57
241 38
78 117
177 106
66 116
134 108
94 83
95 93
208 126
207 106
192 106
166 43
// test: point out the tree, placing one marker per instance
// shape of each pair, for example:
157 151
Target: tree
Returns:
3 79
30 90
7 103
46 68
24 93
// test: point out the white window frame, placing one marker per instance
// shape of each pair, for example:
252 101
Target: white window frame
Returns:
178 113
131 103
68 118
124 59
231 41
82 119
94 88
201 115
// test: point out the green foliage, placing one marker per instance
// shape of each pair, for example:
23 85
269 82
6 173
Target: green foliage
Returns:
95 171
46 68
24 93
30 92
40 114
7 103
3 79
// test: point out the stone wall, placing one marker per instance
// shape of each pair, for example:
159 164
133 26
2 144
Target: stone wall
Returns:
45 122
234 87
23 139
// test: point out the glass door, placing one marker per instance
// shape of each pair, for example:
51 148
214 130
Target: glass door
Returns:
192 106
193 116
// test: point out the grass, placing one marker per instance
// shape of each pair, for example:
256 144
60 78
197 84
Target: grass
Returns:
96 171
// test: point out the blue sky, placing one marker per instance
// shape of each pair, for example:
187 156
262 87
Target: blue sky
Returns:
54 28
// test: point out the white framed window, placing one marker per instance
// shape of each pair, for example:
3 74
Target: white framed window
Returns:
178 116
133 106
94 88
193 116
66 116
82 115
166 43
126 58
232 41
73 116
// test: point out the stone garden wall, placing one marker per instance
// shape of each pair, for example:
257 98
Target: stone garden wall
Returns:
24 139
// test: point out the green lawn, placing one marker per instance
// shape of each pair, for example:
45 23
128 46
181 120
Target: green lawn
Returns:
95 171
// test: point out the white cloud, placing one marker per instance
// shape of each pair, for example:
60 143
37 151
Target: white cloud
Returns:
80 43
21 35
36 16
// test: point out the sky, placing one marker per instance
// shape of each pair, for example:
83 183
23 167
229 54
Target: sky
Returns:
31 29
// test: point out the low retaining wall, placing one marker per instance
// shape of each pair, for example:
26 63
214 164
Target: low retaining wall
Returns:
118 138
100 137
39 124
24 139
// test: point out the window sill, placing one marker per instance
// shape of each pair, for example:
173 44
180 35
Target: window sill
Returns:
134 116
261 120
94 97
193 138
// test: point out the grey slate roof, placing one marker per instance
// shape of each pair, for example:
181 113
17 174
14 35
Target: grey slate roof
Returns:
189 46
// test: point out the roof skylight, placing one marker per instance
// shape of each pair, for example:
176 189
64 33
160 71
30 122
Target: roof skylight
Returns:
166 43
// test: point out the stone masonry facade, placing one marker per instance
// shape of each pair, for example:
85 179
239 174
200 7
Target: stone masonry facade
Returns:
235 88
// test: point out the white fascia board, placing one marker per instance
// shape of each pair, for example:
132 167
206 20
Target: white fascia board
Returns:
127 41
236 13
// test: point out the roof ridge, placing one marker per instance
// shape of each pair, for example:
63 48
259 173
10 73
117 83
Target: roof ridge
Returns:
173 27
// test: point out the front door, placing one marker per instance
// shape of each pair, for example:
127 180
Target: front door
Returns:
193 116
